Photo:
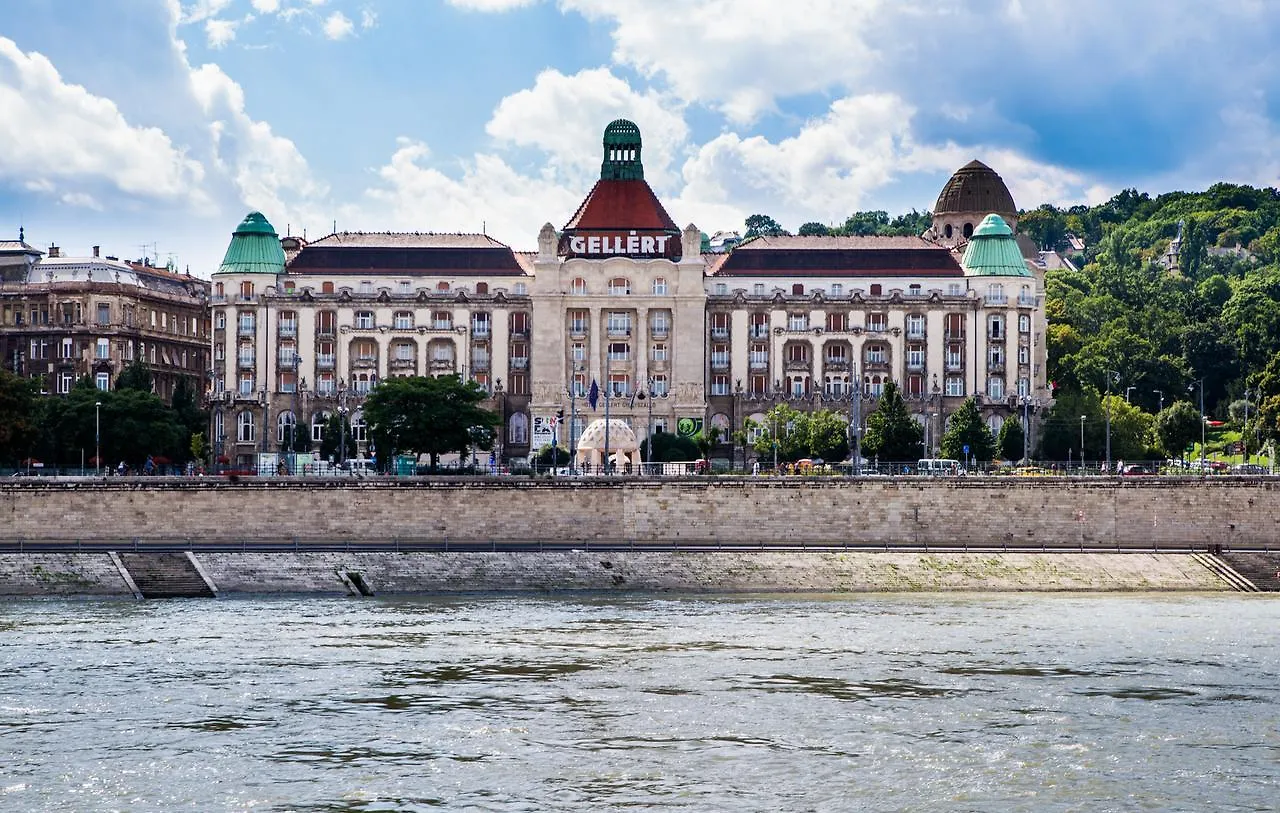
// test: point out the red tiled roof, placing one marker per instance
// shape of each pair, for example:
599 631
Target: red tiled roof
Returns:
621 205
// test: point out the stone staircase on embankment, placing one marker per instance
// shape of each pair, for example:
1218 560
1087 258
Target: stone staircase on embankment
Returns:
1261 569
165 575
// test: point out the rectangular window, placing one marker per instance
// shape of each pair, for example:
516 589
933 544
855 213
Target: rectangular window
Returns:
68 349
480 325
837 289
404 287
995 387
102 349
660 286
288 382
721 289
757 289
619 385
326 323
915 326
366 287
837 322
759 325
915 356
619 323
661 324
520 323
719 356
658 385
65 382
403 320
578 351
995 356
1024 354
797 321
324 384
104 313
364 320
759 385
758 357
720 325
441 320
246 384
876 322
578 322
955 289
955 385
102 381
719 385
659 351
619 351
995 326
248 323
1024 386
1024 323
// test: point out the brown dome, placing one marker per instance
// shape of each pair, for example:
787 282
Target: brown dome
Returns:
975 188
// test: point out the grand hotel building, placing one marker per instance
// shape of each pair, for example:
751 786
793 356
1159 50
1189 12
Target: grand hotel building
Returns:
621 297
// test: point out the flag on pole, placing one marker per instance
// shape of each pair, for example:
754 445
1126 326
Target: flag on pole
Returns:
594 395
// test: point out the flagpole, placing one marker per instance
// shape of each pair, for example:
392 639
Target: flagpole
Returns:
606 427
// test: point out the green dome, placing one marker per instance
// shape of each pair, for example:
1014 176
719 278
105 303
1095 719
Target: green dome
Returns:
993 251
254 249
622 145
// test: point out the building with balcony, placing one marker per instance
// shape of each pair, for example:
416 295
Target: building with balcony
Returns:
622 302
66 318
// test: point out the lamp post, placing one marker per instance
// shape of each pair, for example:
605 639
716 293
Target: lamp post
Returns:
1026 430
774 437
607 386
1082 417
573 423
97 435
1190 387
1244 430
855 419
1160 394
342 425
1112 376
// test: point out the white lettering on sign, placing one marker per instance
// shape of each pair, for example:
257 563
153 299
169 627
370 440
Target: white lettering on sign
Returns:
634 244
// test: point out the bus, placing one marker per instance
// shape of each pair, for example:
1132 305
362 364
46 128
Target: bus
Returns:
938 467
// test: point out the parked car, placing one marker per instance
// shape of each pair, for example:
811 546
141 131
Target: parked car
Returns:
1248 468
1138 469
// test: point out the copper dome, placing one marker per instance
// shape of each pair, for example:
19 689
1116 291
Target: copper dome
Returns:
975 187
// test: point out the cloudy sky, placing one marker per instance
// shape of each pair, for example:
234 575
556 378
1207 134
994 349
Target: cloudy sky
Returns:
152 126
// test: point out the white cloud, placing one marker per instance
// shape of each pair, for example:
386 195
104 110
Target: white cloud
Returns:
55 132
490 5
565 116
337 25
266 6
202 10
488 195
81 199
368 18
220 32
268 170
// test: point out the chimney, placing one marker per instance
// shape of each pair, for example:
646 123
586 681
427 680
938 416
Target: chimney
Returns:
54 251
95 250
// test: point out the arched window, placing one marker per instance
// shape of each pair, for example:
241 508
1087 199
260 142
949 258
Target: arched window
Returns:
245 431
968 230
518 429
619 286
947 230
578 287
284 425
660 286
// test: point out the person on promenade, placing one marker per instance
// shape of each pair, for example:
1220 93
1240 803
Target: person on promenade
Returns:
149 468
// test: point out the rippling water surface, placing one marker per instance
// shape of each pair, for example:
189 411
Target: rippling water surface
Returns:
509 703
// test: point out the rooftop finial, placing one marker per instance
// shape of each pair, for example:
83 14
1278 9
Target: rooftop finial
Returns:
22 235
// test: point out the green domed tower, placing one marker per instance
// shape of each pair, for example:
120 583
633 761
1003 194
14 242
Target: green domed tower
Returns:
622 152
254 249
993 251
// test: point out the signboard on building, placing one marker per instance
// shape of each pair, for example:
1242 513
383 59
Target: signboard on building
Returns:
688 427
544 431
635 243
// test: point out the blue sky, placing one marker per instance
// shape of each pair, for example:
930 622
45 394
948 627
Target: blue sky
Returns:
152 126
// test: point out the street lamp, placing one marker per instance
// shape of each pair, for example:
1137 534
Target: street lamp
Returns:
1160 393
855 420
97 435
1190 387
1082 417
1112 377
1128 390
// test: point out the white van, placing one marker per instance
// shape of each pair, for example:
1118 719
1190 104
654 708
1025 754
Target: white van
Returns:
938 467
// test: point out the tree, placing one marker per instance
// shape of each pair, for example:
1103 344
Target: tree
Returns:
552 456
1132 430
1176 427
336 437
1046 225
892 434
17 416
188 414
763 226
828 435
866 223
792 430
431 416
135 376
814 229
1010 441
668 447
966 428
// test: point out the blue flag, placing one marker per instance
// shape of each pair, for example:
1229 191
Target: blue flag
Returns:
594 395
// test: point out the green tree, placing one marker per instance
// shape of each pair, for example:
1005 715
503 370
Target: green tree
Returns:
892 434
763 226
337 437
431 416
792 430
828 435
1046 225
17 417
1176 427
135 376
668 447
966 428
188 414
813 229
1011 439
861 224
1132 430
552 456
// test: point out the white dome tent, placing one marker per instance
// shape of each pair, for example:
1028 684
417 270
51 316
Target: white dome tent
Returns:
623 446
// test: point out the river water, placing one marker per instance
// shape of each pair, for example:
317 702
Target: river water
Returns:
760 703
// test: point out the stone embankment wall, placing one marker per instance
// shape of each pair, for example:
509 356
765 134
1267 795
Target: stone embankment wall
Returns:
1053 512
93 574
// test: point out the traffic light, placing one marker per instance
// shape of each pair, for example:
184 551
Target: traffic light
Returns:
560 415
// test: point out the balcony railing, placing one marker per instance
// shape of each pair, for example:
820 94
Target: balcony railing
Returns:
915 334
719 362
287 360
759 332
719 332
324 362
995 366
954 335
246 330
364 362
875 366
404 364
797 364
952 364
324 331
442 364
759 363
915 364
519 362
840 363
288 330
661 331
480 331
1026 301
480 365
996 299
245 361
619 332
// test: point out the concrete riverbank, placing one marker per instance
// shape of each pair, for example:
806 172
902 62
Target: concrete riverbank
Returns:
381 573
1041 534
